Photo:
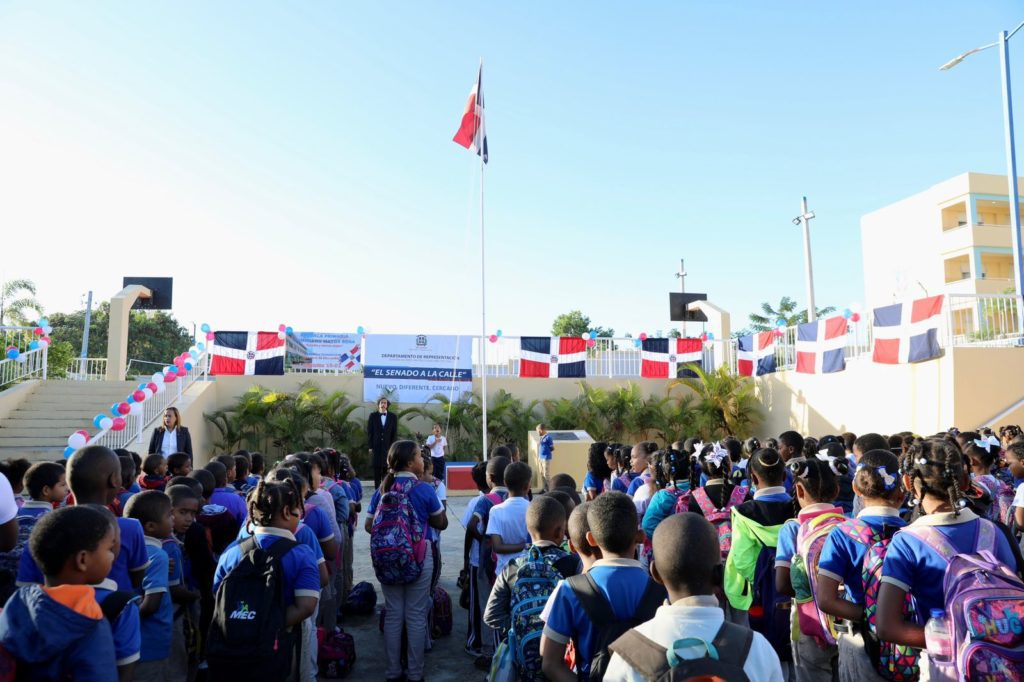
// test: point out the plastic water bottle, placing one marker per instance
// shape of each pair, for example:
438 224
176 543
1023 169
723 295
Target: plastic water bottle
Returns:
937 639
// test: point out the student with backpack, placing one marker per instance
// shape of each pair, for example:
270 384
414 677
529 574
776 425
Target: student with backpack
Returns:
689 637
399 513
715 499
639 461
852 557
673 480
480 589
750 569
266 585
471 561
594 609
796 563
578 529
45 485
524 585
982 454
936 559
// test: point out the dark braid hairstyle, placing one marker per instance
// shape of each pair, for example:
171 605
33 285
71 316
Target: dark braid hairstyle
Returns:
270 498
938 466
878 475
767 464
982 456
818 477
712 470
672 466
284 472
596 462
401 454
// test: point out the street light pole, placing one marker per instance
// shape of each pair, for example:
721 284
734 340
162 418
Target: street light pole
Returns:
682 286
1011 167
804 219
1011 159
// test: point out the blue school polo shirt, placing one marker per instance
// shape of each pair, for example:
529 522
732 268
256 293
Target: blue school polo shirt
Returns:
635 484
915 567
156 627
132 557
317 521
303 536
619 486
422 498
172 548
301 576
229 498
622 581
35 508
592 482
125 628
357 489
842 557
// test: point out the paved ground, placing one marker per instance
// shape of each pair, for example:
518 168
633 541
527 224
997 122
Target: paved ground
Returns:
447 661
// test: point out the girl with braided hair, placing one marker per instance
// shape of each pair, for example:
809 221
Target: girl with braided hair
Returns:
933 473
674 479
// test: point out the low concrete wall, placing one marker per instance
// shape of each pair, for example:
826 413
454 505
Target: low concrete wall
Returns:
11 398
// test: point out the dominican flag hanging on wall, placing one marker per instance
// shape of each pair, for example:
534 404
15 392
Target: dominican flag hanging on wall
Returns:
819 346
907 332
472 133
247 353
670 358
552 356
755 354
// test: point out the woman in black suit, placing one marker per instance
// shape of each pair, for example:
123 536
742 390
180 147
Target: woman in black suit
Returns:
171 437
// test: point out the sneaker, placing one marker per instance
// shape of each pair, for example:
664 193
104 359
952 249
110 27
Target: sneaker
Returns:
482 662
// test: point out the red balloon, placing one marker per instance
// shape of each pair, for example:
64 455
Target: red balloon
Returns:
170 377
139 396
493 338
855 317
210 336
151 386
38 331
118 424
123 408
778 333
643 337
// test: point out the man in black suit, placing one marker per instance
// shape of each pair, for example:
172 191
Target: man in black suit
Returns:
381 432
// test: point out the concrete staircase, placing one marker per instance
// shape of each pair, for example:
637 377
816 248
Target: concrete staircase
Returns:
39 426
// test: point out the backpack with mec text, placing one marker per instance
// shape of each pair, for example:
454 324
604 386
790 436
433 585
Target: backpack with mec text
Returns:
721 519
803 573
249 637
984 605
894 662
9 560
599 610
398 543
723 660
536 578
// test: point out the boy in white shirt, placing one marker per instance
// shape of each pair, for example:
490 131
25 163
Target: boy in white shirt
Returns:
507 523
437 444
688 562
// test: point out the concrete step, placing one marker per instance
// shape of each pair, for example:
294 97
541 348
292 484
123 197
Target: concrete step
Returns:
63 422
35 453
61 430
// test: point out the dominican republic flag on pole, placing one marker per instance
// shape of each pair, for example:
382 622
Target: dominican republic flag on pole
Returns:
247 353
755 354
671 358
552 356
819 346
472 133
907 332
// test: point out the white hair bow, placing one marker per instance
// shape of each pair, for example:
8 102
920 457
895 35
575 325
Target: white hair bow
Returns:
697 447
717 455
825 457
987 443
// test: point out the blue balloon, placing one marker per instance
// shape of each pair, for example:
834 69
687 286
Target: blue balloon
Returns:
201 347
711 337
170 370
194 354
187 365
129 400
847 313
97 419
780 322
498 333
68 451
13 353
360 330
33 345
113 410
205 328
638 343
44 322
288 331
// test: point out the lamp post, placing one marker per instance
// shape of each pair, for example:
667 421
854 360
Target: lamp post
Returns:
1003 43
804 219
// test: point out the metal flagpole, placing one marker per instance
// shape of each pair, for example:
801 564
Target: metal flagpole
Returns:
483 268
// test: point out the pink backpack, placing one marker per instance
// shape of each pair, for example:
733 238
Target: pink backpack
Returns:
984 605
1002 498
803 573
721 519
682 500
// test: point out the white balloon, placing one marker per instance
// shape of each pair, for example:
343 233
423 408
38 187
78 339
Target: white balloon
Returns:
76 440
281 335
43 343
148 392
136 408
160 386
158 378
106 423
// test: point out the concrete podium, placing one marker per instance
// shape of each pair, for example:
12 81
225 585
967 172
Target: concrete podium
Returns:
569 456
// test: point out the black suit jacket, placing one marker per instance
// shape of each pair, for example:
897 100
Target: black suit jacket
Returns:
184 440
380 436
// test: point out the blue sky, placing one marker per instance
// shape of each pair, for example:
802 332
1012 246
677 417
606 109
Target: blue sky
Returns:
292 162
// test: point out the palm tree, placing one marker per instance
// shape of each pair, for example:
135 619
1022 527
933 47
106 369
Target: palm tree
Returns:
725 403
12 308
787 311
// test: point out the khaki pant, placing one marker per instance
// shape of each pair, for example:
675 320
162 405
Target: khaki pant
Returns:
811 663
178 662
545 473
152 671
854 664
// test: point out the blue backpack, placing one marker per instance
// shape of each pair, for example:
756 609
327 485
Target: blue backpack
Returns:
768 614
9 560
398 543
536 578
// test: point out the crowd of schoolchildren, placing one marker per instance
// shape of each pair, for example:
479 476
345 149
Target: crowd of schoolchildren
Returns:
841 558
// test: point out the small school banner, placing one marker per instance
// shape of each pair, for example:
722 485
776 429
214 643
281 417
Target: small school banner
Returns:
331 351
552 357
413 368
247 353
670 358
